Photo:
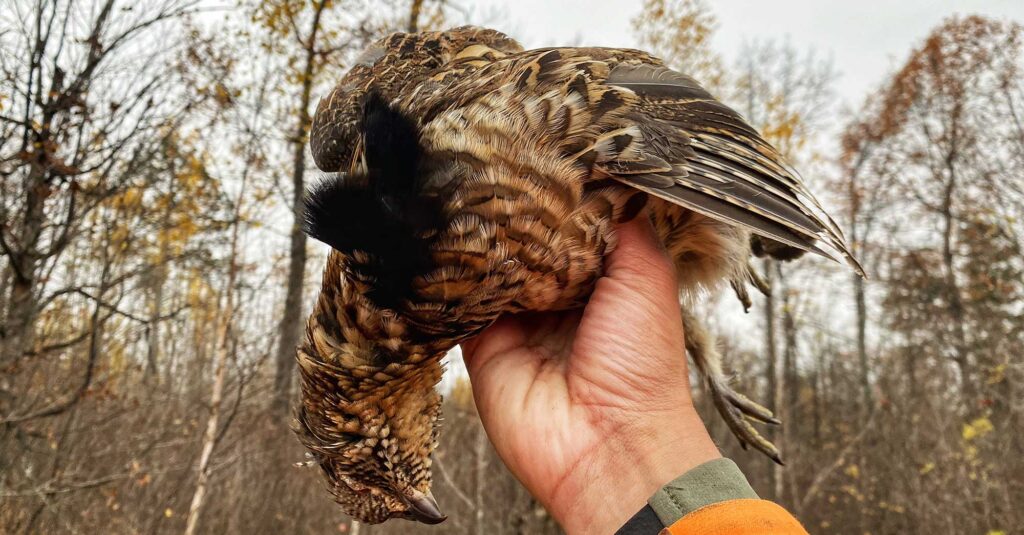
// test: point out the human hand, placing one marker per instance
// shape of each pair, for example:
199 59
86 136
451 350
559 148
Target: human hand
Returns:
591 409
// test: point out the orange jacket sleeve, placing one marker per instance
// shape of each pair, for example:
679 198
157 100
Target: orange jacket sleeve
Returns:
712 498
737 517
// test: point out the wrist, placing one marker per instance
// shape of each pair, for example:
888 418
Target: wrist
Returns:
628 466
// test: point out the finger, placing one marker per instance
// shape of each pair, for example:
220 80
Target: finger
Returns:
505 334
640 262
501 371
496 364
631 335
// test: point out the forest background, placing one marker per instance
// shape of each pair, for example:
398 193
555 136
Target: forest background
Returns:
153 284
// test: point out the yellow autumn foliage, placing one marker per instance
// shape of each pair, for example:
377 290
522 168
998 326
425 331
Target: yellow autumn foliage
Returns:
129 199
852 491
977 428
852 471
115 351
895 508
997 374
680 32
462 394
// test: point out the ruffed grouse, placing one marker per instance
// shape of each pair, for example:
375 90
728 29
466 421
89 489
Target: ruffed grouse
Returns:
468 178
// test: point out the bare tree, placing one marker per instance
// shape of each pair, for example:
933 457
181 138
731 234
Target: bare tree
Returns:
79 132
220 361
786 95
680 32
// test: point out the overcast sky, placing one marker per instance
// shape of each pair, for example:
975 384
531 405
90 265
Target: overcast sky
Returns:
866 38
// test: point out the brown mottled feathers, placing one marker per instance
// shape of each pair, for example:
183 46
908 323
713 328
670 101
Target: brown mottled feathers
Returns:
469 178
390 65
650 127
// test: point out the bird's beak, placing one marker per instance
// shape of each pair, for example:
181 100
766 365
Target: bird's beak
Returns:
423 507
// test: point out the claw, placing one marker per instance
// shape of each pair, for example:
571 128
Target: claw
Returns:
738 410
748 406
740 287
762 285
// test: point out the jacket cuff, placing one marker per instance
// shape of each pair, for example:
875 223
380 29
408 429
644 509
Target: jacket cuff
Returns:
715 481
644 522
737 517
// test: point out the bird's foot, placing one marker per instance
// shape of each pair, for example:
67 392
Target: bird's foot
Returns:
749 276
739 413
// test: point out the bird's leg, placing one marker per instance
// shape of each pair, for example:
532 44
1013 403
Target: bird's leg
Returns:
749 276
740 287
758 281
737 410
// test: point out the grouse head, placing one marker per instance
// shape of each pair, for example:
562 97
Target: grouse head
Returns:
371 428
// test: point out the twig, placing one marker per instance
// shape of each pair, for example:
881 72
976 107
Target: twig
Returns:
823 475
451 483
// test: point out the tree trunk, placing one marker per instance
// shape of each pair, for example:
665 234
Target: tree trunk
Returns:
290 326
862 348
291 318
213 422
818 386
220 359
789 335
862 359
787 391
769 339
156 281
789 376
19 329
415 8
954 301
772 369
480 474
859 290
18 333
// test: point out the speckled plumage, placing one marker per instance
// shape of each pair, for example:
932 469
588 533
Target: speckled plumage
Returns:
471 179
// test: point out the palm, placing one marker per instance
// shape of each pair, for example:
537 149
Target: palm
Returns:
554 389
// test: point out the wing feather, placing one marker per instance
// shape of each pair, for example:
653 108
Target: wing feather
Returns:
728 171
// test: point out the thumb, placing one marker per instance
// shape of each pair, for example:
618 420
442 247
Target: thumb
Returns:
630 340
641 263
